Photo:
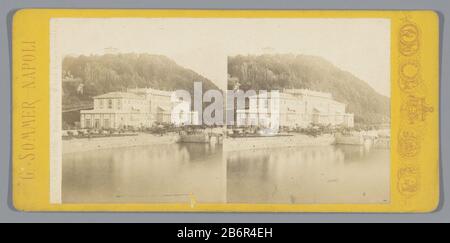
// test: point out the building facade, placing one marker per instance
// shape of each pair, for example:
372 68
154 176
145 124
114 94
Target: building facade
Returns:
116 110
296 108
140 107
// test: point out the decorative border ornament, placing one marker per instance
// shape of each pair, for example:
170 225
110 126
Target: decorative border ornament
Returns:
409 39
409 76
408 143
413 110
409 180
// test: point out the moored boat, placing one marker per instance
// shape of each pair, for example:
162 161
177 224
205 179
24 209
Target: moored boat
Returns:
200 138
350 138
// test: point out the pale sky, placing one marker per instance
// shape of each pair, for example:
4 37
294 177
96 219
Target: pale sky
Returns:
360 46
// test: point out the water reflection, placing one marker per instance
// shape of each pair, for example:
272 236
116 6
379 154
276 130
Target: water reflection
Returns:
162 173
323 174
180 172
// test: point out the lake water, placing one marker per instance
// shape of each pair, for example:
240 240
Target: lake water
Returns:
182 172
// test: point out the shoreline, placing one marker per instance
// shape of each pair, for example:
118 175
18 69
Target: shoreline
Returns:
141 139
229 143
295 140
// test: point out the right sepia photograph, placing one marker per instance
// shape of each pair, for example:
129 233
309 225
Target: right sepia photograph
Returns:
332 138
324 135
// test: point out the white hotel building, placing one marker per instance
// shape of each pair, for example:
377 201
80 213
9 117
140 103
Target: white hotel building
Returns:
140 107
299 108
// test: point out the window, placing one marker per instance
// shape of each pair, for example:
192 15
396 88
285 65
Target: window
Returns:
88 123
110 104
101 103
119 104
106 123
265 103
97 123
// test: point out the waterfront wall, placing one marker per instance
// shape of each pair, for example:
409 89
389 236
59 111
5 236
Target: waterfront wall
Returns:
141 139
245 143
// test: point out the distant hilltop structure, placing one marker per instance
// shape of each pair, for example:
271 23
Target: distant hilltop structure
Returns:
138 107
308 92
111 50
299 108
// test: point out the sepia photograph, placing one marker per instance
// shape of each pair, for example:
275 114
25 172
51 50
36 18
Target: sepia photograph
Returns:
220 110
